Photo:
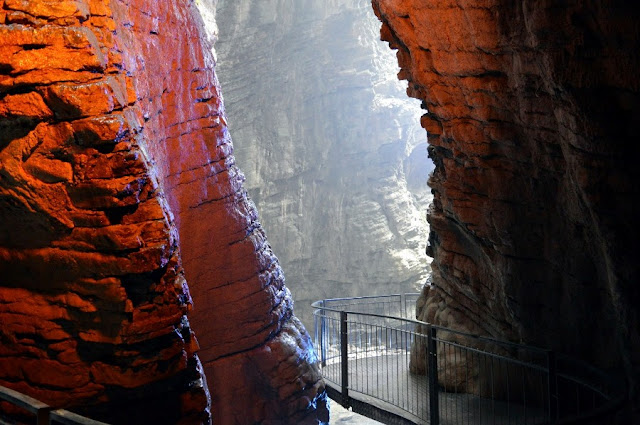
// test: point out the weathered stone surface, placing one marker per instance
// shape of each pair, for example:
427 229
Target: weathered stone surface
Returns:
531 111
333 151
78 284
236 282
116 171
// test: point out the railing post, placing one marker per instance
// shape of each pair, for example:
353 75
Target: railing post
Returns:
552 387
403 305
323 339
43 416
432 357
344 354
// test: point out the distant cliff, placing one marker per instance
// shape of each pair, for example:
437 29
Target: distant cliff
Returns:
332 149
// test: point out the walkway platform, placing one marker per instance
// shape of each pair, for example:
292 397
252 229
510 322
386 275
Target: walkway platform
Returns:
397 394
366 346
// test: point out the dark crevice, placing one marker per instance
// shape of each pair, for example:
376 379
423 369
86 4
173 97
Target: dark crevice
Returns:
14 129
33 46
105 148
138 286
5 69
116 214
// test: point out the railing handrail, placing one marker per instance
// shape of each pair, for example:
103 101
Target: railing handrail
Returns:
23 401
364 297
67 417
420 322
597 382
44 412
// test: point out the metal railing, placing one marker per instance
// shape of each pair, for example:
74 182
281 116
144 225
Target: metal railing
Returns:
42 413
385 365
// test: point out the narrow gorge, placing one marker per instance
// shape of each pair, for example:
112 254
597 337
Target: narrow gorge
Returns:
333 151
137 284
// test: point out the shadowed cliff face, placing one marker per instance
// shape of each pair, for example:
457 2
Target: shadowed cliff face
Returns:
333 152
531 109
117 187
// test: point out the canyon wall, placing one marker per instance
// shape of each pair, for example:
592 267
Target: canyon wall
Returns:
117 187
532 108
332 149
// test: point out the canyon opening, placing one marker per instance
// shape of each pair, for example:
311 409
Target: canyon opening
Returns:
330 144
137 284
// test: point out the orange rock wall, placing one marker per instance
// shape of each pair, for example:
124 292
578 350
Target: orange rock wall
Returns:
256 355
532 107
93 300
117 187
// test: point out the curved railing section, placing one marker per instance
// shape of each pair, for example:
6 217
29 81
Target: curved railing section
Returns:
382 363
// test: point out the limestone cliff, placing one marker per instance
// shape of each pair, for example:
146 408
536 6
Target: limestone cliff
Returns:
532 107
117 187
333 151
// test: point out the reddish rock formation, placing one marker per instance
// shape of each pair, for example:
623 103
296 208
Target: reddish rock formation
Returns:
93 302
117 186
532 107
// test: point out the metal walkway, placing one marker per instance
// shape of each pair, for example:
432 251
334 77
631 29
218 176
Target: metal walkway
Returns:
376 360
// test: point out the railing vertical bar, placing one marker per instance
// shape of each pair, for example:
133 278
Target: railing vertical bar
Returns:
323 344
455 371
451 366
507 391
43 416
444 362
466 383
542 398
397 371
481 383
386 338
376 358
577 401
364 359
447 373
406 362
366 355
433 375
344 359
493 397
524 396
552 387
355 330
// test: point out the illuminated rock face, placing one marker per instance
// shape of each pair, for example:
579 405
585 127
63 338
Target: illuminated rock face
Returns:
328 141
117 187
531 109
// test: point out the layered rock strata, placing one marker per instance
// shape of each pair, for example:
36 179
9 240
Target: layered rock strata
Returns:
531 110
117 186
333 151
93 302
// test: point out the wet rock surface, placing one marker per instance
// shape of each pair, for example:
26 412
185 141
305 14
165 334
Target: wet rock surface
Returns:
531 113
117 187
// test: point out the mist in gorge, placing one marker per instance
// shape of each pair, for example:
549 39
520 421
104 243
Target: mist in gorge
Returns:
331 146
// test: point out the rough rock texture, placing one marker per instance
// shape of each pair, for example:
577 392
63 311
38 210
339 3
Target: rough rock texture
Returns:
117 186
332 148
93 299
532 109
